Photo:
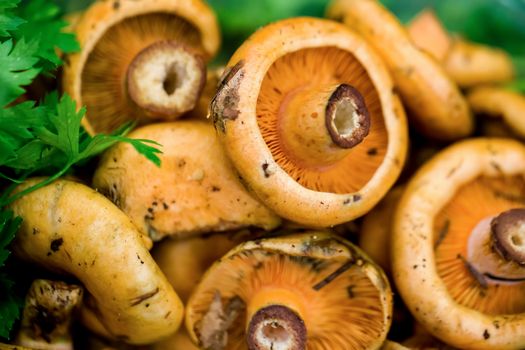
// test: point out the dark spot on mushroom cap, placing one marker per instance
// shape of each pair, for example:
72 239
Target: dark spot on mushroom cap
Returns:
116 5
55 244
264 167
486 334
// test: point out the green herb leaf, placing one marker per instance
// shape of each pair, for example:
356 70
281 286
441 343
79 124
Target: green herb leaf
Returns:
8 228
16 62
10 305
8 21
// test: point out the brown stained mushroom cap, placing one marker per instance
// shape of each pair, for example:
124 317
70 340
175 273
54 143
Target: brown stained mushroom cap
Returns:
140 59
467 63
195 190
438 109
376 230
309 117
444 262
499 102
314 290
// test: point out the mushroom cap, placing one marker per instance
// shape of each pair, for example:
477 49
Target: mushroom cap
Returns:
72 229
418 230
102 16
329 53
343 297
436 105
195 190
498 102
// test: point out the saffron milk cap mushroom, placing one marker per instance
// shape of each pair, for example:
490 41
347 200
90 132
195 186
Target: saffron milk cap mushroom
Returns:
313 290
195 190
308 115
459 245
140 59
435 104
72 229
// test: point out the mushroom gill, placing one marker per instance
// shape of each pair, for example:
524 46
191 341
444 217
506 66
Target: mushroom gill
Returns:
298 292
144 66
463 263
302 89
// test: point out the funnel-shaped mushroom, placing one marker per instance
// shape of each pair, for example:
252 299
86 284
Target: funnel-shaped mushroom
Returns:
500 103
313 290
195 190
140 59
459 245
47 316
436 105
309 117
467 63
72 229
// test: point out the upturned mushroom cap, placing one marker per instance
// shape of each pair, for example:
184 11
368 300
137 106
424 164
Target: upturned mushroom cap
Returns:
467 63
436 105
445 262
500 103
308 116
195 190
312 290
140 59
72 229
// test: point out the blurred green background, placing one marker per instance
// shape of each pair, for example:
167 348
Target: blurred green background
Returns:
495 22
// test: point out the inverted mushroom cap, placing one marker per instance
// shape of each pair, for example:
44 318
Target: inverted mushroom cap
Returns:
140 59
499 102
195 190
436 105
308 116
458 246
313 290
72 229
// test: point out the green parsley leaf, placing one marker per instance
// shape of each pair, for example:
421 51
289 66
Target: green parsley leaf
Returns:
16 62
8 228
8 21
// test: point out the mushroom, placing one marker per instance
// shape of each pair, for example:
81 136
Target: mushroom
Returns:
376 230
47 315
458 245
436 105
309 117
312 290
467 63
500 103
195 190
140 59
72 229
391 345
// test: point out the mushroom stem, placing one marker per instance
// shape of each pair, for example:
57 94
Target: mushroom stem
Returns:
166 79
318 125
275 321
47 315
496 247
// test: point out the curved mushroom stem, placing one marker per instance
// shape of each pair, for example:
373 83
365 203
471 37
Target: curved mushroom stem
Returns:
166 79
275 321
496 247
318 125
47 315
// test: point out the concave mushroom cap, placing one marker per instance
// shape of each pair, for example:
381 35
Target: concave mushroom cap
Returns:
497 102
72 229
195 190
437 107
467 63
376 229
140 59
313 290
308 115
436 273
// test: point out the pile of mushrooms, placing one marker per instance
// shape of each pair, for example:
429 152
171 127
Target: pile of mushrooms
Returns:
233 241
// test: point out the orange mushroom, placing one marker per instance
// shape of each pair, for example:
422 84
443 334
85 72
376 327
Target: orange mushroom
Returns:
459 245
437 107
312 290
140 59
309 117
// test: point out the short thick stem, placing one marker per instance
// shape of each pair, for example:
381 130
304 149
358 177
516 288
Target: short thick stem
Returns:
275 321
166 80
319 125
497 247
